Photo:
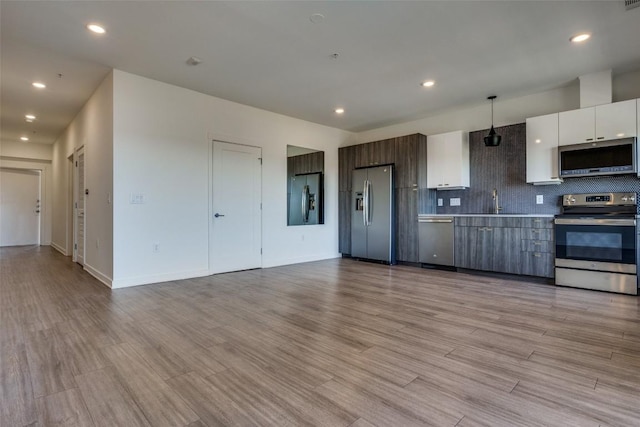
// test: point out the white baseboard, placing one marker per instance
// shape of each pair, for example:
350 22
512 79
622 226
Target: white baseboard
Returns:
156 278
59 248
98 275
299 260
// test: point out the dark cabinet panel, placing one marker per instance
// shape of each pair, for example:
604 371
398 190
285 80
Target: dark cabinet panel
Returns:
346 164
344 222
376 153
422 161
407 224
537 264
506 249
466 242
307 163
506 245
407 160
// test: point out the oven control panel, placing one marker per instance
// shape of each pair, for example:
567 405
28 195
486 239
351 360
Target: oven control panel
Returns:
600 199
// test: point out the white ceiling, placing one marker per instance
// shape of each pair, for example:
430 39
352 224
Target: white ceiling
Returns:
271 56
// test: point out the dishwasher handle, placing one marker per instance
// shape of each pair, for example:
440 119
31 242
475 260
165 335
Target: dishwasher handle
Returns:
436 220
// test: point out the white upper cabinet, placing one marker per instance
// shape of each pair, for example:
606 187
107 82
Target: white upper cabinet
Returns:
577 126
600 123
448 160
617 120
542 150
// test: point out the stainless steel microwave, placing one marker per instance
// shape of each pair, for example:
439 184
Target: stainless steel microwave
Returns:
598 158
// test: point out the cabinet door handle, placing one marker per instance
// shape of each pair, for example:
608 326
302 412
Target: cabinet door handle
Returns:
589 139
600 137
537 255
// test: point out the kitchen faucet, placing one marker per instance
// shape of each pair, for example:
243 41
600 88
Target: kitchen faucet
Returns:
496 206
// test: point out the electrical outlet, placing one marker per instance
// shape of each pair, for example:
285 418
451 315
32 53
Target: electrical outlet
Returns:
156 247
454 201
539 199
440 202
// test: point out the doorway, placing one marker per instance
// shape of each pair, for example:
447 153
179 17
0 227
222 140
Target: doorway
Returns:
235 236
79 220
20 206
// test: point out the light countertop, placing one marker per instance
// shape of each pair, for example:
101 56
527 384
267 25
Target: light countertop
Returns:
505 215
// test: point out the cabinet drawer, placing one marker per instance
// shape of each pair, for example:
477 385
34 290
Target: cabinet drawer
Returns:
537 234
545 246
502 221
536 222
537 264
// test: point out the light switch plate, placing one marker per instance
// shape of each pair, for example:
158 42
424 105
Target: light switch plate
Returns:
136 198
454 201
539 199
440 202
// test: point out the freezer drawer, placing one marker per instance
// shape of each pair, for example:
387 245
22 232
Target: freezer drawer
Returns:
436 237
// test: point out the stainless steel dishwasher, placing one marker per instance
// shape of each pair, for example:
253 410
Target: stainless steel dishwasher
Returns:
436 234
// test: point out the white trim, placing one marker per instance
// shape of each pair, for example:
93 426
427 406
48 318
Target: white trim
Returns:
300 260
157 278
98 275
59 248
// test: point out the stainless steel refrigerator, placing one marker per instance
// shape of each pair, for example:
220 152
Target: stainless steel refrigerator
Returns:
372 214
305 203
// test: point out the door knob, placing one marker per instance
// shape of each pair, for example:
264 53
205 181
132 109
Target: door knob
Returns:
217 215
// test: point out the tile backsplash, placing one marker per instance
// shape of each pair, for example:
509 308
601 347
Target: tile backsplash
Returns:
504 168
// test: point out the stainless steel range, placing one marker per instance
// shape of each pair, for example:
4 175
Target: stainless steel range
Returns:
597 242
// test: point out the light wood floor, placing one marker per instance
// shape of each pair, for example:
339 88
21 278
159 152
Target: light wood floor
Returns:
331 343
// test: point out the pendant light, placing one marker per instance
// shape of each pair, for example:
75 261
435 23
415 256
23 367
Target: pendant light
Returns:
492 139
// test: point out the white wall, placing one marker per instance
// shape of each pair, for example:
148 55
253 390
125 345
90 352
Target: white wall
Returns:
162 137
506 111
20 155
26 150
92 129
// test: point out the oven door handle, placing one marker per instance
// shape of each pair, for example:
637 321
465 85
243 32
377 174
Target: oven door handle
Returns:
595 221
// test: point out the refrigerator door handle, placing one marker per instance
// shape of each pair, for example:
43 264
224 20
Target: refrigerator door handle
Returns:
365 202
369 203
305 203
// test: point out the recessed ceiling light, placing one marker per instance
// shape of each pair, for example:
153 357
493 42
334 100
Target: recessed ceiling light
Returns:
39 85
580 37
339 110
538 141
620 135
30 117
96 28
24 138
428 83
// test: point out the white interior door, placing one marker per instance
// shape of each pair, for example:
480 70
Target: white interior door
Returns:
235 238
79 218
19 207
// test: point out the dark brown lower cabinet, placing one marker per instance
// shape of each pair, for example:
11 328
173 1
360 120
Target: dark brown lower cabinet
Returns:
344 222
505 245
406 224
